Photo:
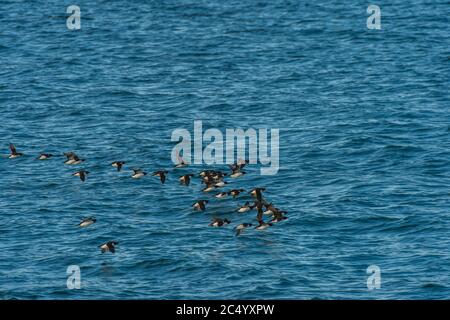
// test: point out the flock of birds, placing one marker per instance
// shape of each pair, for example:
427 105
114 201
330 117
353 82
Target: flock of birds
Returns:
212 179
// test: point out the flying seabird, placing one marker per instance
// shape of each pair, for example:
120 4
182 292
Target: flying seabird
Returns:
118 164
14 153
246 207
186 179
221 195
236 192
257 193
72 158
218 222
87 222
138 173
200 205
239 228
44 156
82 174
109 246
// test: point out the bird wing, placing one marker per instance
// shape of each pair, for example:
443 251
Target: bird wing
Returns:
70 155
260 211
180 159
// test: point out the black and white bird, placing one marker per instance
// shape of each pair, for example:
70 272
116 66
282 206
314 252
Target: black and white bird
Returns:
87 222
221 195
239 228
138 173
109 246
44 156
181 163
236 168
72 158
82 174
186 179
218 222
278 215
161 174
245 208
263 225
200 205
235 192
118 165
209 187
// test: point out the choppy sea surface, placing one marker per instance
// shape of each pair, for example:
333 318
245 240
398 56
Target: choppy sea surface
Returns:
364 148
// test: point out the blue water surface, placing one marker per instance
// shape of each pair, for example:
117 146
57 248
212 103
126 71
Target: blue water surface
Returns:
364 148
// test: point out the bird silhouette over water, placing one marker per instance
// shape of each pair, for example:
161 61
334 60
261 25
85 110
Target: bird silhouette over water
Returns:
82 174
72 158
200 205
44 156
138 173
161 174
186 179
212 179
109 246
14 153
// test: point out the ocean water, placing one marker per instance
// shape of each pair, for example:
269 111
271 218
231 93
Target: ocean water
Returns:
364 148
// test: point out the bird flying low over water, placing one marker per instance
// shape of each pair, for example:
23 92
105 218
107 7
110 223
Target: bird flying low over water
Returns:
236 168
72 158
209 176
239 165
237 173
200 205
245 208
221 195
14 153
87 222
181 163
82 174
263 225
118 165
205 173
218 222
109 246
278 215
257 193
269 209
44 156
220 184
161 174
239 228
138 173
209 187
235 192
186 179
212 179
